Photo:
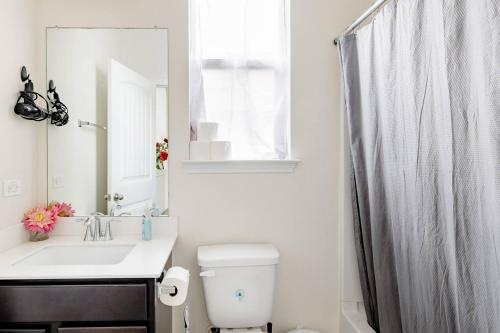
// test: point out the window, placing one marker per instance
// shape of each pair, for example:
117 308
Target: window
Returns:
240 74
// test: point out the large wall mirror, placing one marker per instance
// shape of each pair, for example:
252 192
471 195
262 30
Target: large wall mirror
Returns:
112 156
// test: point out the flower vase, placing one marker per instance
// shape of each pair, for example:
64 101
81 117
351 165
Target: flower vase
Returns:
38 236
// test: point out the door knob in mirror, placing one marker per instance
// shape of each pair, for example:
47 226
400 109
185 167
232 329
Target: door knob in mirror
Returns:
118 197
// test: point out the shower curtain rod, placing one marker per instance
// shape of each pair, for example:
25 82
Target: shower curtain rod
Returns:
361 19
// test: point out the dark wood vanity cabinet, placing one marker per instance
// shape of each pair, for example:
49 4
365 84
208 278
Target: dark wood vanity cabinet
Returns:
121 329
86 306
14 330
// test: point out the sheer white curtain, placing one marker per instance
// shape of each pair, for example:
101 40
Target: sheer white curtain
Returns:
240 74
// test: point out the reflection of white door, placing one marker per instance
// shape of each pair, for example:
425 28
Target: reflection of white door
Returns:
131 141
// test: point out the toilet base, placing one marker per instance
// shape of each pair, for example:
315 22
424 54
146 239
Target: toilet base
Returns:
244 330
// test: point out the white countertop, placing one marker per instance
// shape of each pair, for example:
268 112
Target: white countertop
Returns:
146 260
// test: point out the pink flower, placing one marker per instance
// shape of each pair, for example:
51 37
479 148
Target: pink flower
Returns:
40 219
61 209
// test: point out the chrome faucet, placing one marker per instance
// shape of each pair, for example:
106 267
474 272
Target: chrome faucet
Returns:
125 214
115 207
98 234
94 230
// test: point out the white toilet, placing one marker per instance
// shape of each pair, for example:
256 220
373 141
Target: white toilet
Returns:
238 281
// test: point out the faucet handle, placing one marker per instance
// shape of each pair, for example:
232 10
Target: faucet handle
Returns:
84 219
89 231
87 220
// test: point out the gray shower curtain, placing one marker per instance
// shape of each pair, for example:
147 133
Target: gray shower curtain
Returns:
422 95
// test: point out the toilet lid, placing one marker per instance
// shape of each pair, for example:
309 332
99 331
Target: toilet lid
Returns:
237 255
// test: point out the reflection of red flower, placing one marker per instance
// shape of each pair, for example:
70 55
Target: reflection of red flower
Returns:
161 153
163 156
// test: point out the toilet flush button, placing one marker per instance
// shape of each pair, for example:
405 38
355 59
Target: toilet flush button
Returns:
239 294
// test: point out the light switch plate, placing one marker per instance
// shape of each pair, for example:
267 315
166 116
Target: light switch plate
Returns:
11 187
58 181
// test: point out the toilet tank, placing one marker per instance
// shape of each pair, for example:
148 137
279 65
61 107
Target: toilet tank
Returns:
238 282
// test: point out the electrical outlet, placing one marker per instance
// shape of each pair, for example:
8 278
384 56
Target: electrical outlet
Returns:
11 187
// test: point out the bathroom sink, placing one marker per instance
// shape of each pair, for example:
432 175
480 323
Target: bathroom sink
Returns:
55 255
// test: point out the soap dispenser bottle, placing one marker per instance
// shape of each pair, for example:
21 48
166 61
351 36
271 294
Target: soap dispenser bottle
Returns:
147 226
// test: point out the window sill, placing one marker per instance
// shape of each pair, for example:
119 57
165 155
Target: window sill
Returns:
239 166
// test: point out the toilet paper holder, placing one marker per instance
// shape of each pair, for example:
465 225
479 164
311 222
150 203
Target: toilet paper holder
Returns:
172 290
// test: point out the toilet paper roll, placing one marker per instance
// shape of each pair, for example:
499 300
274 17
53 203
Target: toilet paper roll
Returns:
220 150
207 131
178 277
199 151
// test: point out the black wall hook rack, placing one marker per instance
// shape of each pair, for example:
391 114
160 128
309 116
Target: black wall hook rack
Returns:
27 107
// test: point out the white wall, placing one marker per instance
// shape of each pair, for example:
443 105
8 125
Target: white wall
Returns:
297 212
19 139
